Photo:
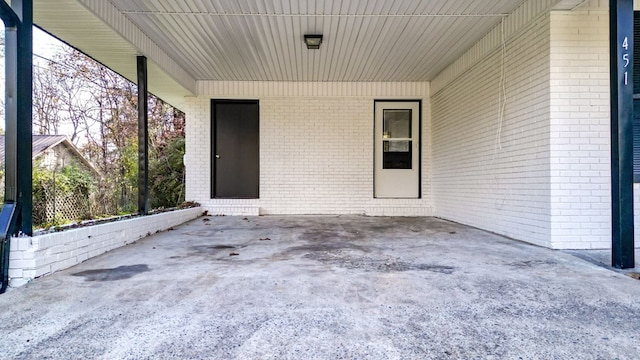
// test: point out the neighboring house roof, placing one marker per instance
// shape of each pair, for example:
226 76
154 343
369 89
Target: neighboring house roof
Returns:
42 143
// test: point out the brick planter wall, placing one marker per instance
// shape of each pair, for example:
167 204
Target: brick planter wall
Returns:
32 257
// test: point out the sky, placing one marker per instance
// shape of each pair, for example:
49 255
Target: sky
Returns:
44 46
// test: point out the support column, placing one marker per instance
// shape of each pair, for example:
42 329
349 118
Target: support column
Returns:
18 96
11 23
11 210
621 77
24 9
143 137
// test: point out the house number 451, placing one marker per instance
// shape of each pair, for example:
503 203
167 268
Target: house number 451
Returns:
625 59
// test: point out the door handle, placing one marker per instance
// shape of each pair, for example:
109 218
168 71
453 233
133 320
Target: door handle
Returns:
217 156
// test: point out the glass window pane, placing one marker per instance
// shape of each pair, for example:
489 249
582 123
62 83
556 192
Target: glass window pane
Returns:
396 154
396 124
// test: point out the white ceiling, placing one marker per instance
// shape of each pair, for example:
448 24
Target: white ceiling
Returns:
244 40
76 25
364 40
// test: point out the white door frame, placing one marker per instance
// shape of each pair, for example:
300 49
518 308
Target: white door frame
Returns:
401 183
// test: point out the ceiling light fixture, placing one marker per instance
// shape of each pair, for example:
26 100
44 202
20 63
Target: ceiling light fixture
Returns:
313 41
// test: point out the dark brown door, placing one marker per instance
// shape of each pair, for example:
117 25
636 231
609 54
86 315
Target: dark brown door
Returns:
235 151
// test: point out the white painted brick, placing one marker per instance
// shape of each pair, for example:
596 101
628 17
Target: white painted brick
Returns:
24 243
82 256
94 253
13 245
63 264
26 277
493 172
42 270
316 153
15 273
56 251
22 264
578 36
555 134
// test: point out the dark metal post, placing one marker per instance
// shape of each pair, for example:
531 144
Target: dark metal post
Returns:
24 10
18 20
143 138
11 113
621 77
8 227
9 216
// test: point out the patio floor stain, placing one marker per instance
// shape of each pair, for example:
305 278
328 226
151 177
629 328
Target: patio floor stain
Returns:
112 274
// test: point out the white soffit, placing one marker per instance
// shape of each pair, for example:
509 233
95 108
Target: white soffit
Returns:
366 40
74 24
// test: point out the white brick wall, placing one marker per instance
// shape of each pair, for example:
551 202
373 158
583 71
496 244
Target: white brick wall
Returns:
197 158
549 183
540 173
490 171
580 120
316 148
580 135
31 257
511 26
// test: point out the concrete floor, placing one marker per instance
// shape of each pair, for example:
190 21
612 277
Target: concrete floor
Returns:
603 258
315 287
